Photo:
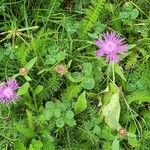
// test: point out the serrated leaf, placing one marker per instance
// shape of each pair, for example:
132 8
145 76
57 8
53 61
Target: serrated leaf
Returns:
81 104
30 64
23 89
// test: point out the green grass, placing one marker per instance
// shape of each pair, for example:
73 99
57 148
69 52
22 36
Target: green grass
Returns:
69 111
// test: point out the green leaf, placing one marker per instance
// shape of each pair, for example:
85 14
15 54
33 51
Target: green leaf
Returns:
29 118
23 89
47 114
134 13
124 14
69 114
57 112
27 78
71 122
81 104
111 111
88 83
60 56
130 134
26 132
128 6
35 145
87 69
30 64
97 130
132 139
75 77
118 70
131 46
47 145
115 144
18 145
38 89
72 91
60 122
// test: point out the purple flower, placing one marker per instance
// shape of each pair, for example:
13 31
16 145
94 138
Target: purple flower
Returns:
7 91
111 45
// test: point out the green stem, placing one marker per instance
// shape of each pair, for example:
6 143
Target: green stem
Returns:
113 71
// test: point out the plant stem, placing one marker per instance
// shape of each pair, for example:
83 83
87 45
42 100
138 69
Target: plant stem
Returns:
113 71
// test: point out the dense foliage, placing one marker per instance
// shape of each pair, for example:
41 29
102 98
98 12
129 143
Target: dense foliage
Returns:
71 99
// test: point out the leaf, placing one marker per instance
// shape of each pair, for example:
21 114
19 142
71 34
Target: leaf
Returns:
131 46
60 56
72 91
26 132
132 138
88 83
47 114
134 13
115 144
57 112
47 145
69 118
60 122
23 89
132 135
29 118
75 77
38 89
87 69
18 145
35 145
118 70
111 111
71 122
27 78
81 104
30 64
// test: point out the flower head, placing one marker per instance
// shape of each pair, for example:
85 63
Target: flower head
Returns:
61 69
111 45
7 91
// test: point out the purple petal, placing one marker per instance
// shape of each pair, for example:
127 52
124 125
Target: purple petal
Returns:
100 53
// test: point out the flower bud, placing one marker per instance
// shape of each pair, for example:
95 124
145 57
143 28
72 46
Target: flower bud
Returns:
122 132
23 71
61 69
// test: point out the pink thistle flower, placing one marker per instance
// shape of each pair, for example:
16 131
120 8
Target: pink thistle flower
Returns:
8 91
111 45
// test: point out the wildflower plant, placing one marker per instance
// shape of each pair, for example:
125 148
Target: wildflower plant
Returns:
110 45
8 91
66 96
